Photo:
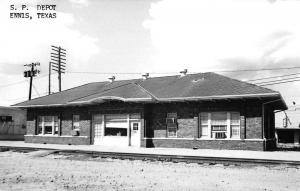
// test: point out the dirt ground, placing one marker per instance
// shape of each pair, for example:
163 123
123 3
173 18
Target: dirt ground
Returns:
35 171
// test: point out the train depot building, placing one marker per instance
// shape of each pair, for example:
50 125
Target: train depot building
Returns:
204 110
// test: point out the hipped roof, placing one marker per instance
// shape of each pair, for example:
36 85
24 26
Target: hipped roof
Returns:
191 87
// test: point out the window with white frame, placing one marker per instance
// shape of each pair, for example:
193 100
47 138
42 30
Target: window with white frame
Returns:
76 119
204 124
219 125
235 125
48 125
116 125
171 122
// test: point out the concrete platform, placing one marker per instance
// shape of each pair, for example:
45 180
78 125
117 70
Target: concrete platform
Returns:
267 155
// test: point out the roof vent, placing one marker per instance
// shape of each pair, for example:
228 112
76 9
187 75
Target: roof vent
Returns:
183 73
145 76
112 79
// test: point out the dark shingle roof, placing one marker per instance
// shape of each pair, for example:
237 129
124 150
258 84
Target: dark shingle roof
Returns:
201 86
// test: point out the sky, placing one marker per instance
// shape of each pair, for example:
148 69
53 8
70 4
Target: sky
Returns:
127 38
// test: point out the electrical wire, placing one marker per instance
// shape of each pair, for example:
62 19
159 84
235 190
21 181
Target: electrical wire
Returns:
138 73
261 69
121 73
279 83
23 81
272 77
277 80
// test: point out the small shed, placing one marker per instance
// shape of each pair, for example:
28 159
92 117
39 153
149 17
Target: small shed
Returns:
12 123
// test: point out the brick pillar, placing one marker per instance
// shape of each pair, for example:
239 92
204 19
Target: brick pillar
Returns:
196 127
85 127
30 127
243 127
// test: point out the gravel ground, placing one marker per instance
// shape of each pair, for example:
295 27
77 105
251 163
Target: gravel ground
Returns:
35 171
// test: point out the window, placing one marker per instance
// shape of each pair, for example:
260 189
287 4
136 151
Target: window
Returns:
171 122
204 125
48 125
76 119
116 125
135 126
235 125
5 118
219 125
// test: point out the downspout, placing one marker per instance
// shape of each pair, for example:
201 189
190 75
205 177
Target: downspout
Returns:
263 121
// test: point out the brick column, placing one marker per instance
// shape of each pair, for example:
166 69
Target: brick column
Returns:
243 127
196 127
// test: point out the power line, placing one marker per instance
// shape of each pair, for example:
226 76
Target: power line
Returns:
6 85
281 80
35 89
261 69
122 73
23 81
242 70
25 98
272 77
279 83
139 73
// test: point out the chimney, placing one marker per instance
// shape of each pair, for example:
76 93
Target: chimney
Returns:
145 76
183 73
112 79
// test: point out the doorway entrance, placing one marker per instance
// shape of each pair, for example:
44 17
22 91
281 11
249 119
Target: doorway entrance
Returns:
117 129
135 133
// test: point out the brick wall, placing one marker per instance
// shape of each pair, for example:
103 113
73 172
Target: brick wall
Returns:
251 125
205 144
253 121
186 127
67 140
30 123
66 127
155 122
30 127
243 126
66 120
85 127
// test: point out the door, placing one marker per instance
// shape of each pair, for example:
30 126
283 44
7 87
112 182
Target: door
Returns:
98 128
135 133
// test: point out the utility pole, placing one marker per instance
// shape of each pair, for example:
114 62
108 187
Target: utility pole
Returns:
30 74
58 61
49 87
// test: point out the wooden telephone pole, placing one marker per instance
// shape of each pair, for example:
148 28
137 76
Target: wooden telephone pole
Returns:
30 74
58 63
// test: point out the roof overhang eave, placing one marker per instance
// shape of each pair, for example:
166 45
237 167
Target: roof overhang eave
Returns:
220 97
88 102
157 100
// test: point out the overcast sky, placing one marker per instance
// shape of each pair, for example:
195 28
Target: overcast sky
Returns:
159 37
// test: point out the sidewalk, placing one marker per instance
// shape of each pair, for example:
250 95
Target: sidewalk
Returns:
268 155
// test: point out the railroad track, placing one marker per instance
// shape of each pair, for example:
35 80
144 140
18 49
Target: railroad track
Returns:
164 158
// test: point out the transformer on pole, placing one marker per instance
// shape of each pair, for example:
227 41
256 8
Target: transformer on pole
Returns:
30 74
